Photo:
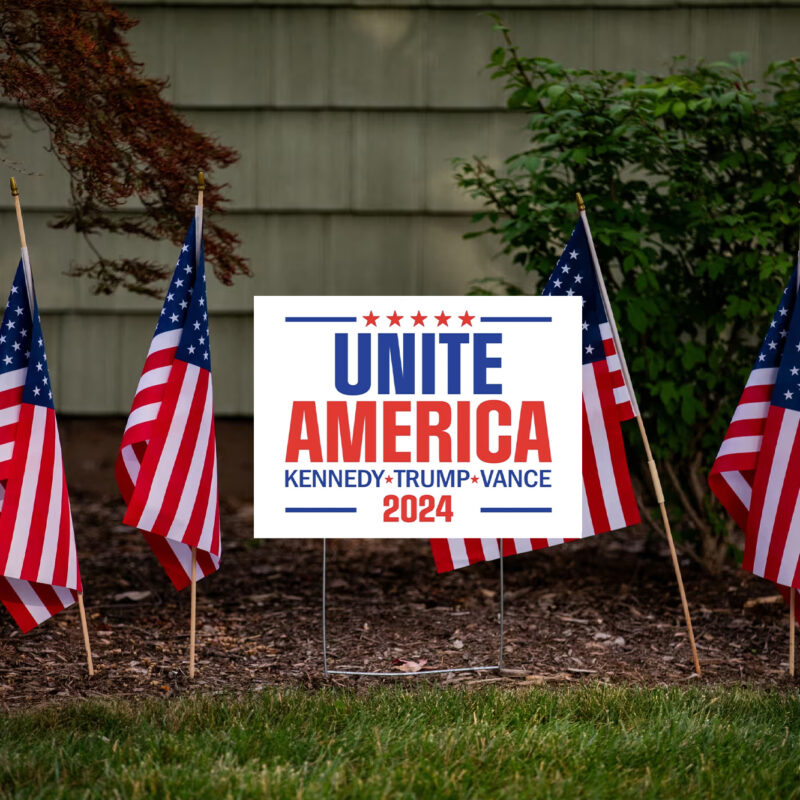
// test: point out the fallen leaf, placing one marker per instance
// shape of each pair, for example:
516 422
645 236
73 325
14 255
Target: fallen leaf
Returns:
133 596
762 601
406 665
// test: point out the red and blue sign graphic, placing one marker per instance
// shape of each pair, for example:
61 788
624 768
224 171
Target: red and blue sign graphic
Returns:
417 416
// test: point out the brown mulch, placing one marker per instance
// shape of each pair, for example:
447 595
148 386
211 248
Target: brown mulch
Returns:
603 609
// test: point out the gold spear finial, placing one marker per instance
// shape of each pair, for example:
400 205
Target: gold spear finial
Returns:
581 204
201 182
14 190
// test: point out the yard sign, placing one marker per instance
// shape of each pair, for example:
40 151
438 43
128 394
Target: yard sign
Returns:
417 416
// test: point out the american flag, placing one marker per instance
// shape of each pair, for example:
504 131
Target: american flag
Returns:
608 499
39 564
167 463
756 475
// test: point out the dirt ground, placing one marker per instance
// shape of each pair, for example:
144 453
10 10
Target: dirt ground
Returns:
602 609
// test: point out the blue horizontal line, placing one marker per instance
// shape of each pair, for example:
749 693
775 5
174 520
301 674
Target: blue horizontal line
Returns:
516 510
339 510
516 319
321 319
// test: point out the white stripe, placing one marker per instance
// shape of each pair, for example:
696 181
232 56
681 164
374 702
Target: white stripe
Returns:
6 451
602 452
170 452
777 475
739 486
64 595
740 444
491 550
32 602
165 340
51 531
750 411
523 545
605 331
189 496
762 376
184 555
458 553
553 542
72 560
131 462
13 379
791 550
621 395
153 377
587 528
613 363
9 415
210 521
143 414
30 480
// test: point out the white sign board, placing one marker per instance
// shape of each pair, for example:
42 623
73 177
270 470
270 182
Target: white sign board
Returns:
417 417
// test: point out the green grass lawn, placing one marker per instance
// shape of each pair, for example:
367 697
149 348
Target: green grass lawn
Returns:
421 742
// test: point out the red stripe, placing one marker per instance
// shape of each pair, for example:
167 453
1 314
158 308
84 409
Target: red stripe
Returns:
7 433
441 555
14 485
616 378
616 446
150 462
43 475
124 481
729 499
474 549
148 396
161 358
194 528
736 462
625 411
789 490
608 347
510 547
761 393
746 427
11 397
591 480
16 607
183 458
205 565
61 567
760 483
168 560
48 596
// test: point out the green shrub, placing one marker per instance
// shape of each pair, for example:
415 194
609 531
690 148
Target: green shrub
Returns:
691 183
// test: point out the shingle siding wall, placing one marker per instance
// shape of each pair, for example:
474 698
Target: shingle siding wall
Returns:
346 116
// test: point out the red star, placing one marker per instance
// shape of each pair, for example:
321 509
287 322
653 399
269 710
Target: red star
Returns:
419 319
394 319
466 319
442 319
474 478
388 479
371 319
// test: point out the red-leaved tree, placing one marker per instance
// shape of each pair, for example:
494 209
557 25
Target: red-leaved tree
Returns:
69 65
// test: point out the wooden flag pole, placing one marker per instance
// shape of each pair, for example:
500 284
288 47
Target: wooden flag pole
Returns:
193 622
650 462
792 595
201 185
26 266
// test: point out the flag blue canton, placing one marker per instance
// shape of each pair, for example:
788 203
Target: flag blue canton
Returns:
574 275
781 348
22 344
185 306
